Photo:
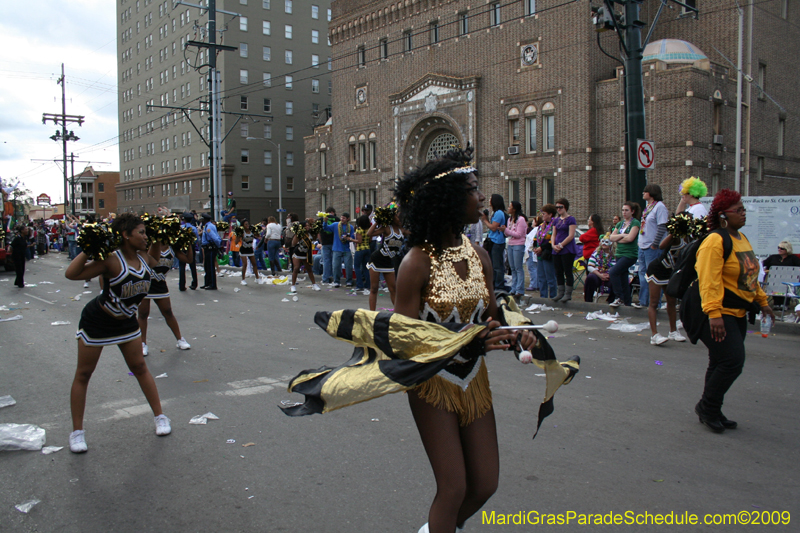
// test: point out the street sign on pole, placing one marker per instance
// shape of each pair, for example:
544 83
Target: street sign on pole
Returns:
645 154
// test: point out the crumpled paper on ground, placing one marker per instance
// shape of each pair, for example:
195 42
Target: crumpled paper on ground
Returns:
7 401
599 315
203 419
21 437
15 317
624 327
535 308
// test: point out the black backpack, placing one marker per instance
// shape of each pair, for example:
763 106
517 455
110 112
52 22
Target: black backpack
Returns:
685 273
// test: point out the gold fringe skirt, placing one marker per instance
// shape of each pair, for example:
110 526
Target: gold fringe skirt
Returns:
469 405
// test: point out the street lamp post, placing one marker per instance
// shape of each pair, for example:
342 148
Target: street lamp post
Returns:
280 185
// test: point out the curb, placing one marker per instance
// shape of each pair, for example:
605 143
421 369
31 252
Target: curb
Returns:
784 328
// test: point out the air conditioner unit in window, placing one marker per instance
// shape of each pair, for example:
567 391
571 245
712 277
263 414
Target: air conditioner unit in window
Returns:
717 139
351 167
513 150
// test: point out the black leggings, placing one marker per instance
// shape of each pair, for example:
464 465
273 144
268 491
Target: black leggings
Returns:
725 361
563 264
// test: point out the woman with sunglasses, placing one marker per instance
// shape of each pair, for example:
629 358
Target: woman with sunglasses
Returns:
564 250
728 289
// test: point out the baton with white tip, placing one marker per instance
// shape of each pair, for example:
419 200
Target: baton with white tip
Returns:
550 326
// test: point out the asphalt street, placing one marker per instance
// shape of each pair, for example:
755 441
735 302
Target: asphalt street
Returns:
623 438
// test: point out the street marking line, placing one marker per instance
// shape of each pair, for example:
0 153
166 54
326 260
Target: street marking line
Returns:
41 299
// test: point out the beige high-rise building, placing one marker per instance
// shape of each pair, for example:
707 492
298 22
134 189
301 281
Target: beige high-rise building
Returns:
279 70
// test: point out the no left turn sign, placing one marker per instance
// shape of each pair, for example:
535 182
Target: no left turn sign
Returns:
645 154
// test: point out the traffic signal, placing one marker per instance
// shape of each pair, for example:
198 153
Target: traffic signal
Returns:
603 19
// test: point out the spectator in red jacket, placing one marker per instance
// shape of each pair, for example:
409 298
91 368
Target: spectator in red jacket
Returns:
591 239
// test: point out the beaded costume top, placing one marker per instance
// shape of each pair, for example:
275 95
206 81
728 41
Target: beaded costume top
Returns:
448 297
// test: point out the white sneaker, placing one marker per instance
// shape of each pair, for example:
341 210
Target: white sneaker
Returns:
293 289
145 351
337 285
615 303
316 287
638 306
676 336
183 345
244 282
162 425
86 284
77 442
366 292
658 339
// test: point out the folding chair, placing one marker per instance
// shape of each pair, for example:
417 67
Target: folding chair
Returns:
782 281
578 272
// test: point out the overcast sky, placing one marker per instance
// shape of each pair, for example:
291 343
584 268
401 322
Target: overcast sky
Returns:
36 38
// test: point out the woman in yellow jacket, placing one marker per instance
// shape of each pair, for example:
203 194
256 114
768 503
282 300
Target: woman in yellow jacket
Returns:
734 280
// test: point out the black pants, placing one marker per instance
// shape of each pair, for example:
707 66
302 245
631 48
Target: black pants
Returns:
210 266
182 274
725 362
19 267
563 264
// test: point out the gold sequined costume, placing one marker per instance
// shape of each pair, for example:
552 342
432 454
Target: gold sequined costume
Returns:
462 386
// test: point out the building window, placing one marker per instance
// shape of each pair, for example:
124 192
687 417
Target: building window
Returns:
513 126
323 163
714 184
530 7
384 46
362 56
268 131
101 203
243 76
243 23
315 12
463 23
245 183
441 145
288 80
530 186
101 187
549 186
267 105
548 123
245 156
290 183
362 156
314 36
266 27
762 81
243 103
373 154
288 57
265 4
289 159
244 129
267 79
267 157
243 51
434 32
407 41
495 13
287 31
266 53
690 3
287 6
781 135
289 133
323 202
289 107
314 86
329 15
267 184
530 123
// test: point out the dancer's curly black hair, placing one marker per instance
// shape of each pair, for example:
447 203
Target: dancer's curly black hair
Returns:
430 206
126 223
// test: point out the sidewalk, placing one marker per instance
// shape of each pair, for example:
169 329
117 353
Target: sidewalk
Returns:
577 304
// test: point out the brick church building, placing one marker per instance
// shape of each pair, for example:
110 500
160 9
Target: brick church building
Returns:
533 87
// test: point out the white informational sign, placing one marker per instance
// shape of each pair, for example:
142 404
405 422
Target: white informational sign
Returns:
770 220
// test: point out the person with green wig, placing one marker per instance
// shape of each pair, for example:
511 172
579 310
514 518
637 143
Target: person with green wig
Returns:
692 190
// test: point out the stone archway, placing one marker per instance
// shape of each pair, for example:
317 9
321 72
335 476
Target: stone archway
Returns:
434 133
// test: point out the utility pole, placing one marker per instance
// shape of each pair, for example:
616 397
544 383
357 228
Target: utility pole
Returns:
63 135
215 117
628 27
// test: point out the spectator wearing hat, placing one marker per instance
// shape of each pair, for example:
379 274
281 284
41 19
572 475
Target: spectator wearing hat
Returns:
210 241
188 222
230 208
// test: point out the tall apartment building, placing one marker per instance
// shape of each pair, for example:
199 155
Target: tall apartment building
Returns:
526 84
280 70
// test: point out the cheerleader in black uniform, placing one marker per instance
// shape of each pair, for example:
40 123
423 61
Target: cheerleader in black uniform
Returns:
381 260
245 237
110 319
164 255
301 253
